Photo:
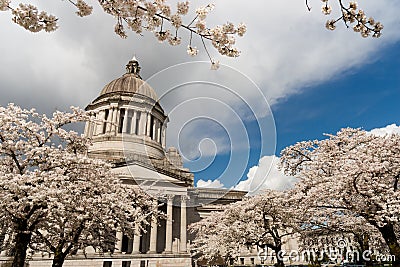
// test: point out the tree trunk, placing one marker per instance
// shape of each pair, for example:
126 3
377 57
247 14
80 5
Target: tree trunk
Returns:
279 256
22 241
389 235
363 242
59 259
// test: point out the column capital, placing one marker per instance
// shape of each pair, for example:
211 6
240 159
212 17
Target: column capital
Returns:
169 197
184 198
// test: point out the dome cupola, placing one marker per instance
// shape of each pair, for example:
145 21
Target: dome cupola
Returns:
130 82
128 120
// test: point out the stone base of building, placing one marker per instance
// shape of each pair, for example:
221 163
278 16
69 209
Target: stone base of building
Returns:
115 260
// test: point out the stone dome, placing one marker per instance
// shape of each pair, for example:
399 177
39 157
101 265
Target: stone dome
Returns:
130 82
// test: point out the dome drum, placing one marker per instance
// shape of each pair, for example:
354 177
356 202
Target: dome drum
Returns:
127 118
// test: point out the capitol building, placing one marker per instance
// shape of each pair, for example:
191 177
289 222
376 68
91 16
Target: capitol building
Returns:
130 132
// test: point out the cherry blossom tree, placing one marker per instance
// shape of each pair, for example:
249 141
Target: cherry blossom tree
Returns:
90 214
338 236
263 221
52 195
167 22
352 173
215 240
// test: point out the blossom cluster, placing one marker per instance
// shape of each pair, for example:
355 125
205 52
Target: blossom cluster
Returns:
352 15
29 18
152 16
158 17
83 8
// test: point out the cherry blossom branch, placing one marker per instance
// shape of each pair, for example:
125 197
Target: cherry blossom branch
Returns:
14 157
308 6
350 15
396 182
187 27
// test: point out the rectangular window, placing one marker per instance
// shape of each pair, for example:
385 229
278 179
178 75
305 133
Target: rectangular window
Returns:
121 120
126 264
137 125
107 264
142 263
106 114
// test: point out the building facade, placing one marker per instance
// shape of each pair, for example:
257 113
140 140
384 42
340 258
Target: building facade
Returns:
129 130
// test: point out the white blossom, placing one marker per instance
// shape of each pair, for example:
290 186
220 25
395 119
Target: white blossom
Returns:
326 9
83 8
183 7
192 51
4 5
174 40
162 35
176 20
330 25
214 64
241 29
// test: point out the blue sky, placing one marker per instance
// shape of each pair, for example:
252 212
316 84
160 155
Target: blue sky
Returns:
366 97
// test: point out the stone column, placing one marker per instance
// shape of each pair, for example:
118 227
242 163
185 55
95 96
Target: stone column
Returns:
91 126
125 122
142 123
158 132
148 124
86 131
133 123
113 123
183 247
168 230
136 241
88 127
154 129
164 137
96 124
153 231
118 244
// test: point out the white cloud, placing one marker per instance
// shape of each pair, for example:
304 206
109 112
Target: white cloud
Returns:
265 175
390 129
209 184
